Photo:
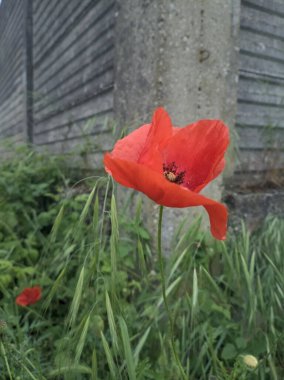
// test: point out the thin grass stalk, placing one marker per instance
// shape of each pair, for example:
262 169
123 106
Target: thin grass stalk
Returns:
130 362
140 345
94 365
82 340
110 360
113 246
112 324
160 258
76 299
6 360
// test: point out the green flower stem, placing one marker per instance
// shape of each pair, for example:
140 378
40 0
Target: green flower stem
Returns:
160 257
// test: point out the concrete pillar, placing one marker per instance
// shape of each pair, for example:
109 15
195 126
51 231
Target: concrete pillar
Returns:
182 55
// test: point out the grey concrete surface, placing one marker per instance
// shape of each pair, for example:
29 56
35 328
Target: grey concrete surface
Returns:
181 55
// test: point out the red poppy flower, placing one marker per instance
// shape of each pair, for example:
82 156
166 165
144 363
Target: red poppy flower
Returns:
29 296
172 165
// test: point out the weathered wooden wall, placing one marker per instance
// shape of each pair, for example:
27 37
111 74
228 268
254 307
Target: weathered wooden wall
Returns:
73 61
57 63
260 115
57 73
12 69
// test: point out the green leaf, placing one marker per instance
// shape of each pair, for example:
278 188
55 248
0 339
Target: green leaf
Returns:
229 352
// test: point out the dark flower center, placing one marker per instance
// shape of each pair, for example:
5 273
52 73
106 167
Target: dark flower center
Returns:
172 174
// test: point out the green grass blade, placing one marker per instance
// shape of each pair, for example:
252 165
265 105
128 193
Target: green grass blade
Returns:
130 363
54 289
76 299
82 340
94 365
109 357
56 225
78 369
87 206
169 289
112 324
113 244
141 344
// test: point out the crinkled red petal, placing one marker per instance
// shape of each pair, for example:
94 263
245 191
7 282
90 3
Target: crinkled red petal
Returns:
163 192
130 147
29 296
198 149
160 132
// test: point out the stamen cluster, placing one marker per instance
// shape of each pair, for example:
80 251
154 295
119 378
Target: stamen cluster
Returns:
171 173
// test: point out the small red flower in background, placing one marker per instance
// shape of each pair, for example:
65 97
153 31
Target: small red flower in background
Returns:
29 296
172 165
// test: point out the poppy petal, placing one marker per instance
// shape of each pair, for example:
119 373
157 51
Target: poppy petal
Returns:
130 147
22 300
198 150
29 296
161 130
165 193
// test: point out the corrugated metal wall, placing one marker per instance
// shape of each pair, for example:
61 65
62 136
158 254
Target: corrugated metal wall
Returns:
73 59
12 80
260 116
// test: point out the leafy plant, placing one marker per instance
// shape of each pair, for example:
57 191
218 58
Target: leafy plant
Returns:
101 315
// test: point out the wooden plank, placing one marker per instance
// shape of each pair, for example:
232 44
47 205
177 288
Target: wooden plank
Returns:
245 180
261 65
15 21
78 129
44 14
92 92
28 71
60 13
81 122
260 138
263 22
260 160
12 106
262 45
93 141
253 114
7 8
13 79
81 37
84 110
86 82
271 6
11 71
12 120
269 78
67 83
93 161
15 126
260 91
75 59
38 5
57 34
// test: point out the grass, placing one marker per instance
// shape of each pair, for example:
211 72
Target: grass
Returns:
102 314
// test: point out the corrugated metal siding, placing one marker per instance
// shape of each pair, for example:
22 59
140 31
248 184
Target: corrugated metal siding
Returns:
12 50
260 116
73 71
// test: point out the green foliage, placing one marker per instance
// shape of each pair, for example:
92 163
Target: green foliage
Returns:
102 315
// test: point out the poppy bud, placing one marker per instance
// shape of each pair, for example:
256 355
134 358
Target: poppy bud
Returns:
250 361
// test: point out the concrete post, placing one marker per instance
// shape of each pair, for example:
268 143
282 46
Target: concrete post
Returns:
182 55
